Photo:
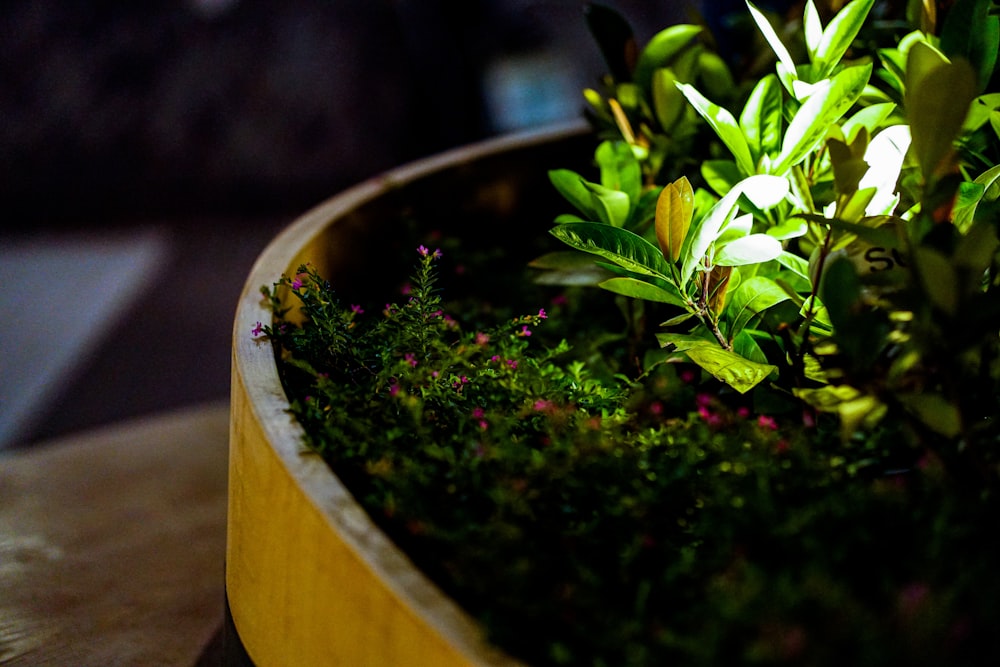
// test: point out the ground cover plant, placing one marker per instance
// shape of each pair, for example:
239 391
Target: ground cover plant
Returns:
752 418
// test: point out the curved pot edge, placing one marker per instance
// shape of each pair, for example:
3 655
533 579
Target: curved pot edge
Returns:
265 447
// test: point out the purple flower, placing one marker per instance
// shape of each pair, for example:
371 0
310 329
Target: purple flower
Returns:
357 309
410 359
542 314
422 249
296 284
257 330
524 332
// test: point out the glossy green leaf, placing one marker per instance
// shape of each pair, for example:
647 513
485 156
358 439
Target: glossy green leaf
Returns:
714 74
761 120
812 28
638 289
752 249
794 263
663 47
986 187
751 299
611 206
839 34
619 168
724 124
785 61
790 228
937 103
824 108
729 367
982 108
745 345
668 102
571 186
620 246
762 190
870 118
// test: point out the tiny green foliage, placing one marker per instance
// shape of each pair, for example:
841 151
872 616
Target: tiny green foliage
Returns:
414 376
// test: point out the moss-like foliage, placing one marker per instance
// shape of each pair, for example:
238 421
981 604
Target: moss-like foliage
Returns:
587 517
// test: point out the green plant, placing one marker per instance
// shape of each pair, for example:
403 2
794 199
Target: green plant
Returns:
775 266
802 466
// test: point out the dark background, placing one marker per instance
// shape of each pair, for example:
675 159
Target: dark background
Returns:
230 106
222 120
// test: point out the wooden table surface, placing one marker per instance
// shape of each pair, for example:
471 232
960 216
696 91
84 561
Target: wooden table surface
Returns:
112 543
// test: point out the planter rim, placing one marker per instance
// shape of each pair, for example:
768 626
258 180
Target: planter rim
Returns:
267 400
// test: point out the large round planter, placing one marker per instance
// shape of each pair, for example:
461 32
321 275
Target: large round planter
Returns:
310 580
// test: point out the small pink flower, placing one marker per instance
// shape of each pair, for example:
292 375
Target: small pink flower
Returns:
512 363
296 284
767 422
541 405
711 418
257 330
524 332
393 389
410 359
478 413
423 250
743 412
356 309
482 339
541 314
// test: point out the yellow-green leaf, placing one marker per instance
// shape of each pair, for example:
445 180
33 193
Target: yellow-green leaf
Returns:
674 209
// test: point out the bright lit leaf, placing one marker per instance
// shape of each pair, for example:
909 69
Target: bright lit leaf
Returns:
724 124
752 249
622 247
824 108
639 289
839 35
738 372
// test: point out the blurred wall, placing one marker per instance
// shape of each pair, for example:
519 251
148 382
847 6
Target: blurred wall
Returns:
159 107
